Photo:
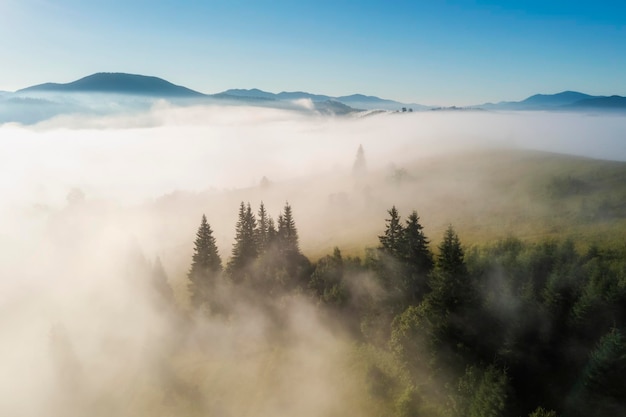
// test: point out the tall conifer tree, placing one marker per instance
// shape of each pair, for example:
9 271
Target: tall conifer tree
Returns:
359 168
451 255
287 233
415 251
245 248
417 258
263 229
205 267
391 240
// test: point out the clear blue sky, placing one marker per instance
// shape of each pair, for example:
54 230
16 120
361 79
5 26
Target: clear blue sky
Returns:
430 52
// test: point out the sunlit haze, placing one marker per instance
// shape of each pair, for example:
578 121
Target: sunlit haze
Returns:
312 209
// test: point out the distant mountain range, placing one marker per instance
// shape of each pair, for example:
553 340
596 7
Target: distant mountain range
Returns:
356 101
565 101
141 85
128 92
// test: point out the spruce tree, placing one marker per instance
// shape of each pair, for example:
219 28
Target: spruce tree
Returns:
263 229
360 167
271 231
245 248
415 249
205 267
449 283
451 306
451 255
287 233
417 258
391 241
293 269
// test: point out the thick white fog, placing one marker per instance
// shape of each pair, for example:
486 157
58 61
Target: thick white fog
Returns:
130 158
88 203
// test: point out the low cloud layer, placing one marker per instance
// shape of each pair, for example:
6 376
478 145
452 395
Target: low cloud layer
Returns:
90 201
194 148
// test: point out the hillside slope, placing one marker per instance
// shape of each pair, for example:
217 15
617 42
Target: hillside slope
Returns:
485 195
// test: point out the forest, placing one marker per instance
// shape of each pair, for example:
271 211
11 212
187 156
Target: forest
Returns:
506 328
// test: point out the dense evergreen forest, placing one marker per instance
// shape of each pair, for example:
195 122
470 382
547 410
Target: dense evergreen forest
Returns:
503 329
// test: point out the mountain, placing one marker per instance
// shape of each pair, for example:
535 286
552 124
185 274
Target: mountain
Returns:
376 103
253 93
118 83
299 95
332 107
564 101
554 100
132 93
605 103
540 101
148 86
356 101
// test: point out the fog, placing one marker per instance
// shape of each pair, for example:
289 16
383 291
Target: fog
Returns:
90 202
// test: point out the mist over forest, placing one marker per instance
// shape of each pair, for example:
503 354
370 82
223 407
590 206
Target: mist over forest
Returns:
232 261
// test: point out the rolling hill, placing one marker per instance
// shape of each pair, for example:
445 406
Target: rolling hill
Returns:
118 83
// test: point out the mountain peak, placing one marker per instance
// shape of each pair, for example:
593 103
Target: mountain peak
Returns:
119 83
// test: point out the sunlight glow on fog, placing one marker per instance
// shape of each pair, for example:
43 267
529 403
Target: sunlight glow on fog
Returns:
64 266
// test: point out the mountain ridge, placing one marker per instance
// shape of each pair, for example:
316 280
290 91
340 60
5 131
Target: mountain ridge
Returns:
151 87
565 100
359 101
117 82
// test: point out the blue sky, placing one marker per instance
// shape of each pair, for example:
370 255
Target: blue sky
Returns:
430 52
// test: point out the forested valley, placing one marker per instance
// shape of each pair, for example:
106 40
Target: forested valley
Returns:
505 328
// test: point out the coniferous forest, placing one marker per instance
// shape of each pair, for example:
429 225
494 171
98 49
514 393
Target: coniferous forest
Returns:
507 328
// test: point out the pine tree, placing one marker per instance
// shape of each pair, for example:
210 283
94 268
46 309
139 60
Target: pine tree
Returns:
391 240
205 267
360 167
417 258
271 231
263 229
451 306
451 255
245 248
449 282
287 233
415 249
293 269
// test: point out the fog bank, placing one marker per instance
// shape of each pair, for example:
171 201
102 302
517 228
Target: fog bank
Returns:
89 203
